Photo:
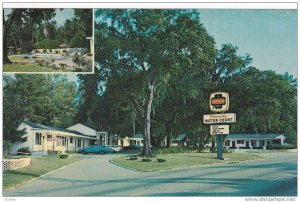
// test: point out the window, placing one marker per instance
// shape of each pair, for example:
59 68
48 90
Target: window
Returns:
71 140
227 143
240 141
38 139
59 143
79 143
49 136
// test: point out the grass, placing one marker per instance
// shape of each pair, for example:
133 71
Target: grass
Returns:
38 167
181 160
27 67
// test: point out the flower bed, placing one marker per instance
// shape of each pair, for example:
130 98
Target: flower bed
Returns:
12 164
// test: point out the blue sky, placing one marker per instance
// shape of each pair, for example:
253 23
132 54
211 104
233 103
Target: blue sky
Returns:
62 15
269 36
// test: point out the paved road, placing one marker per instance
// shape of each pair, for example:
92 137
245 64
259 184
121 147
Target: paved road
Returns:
275 175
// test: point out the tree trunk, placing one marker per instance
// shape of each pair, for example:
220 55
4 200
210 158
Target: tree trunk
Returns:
5 45
169 136
6 29
147 123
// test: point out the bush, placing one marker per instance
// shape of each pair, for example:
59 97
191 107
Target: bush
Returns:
213 149
6 147
257 147
133 158
24 151
146 160
171 150
26 57
47 44
225 150
279 147
161 160
63 156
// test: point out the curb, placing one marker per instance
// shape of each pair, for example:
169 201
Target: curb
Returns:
116 164
182 168
36 178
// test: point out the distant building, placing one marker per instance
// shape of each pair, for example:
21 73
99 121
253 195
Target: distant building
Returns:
101 137
137 139
179 140
249 141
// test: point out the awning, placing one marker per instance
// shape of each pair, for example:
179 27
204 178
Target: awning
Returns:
54 139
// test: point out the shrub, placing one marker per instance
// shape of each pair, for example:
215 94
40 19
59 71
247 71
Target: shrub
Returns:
6 147
171 150
213 149
26 57
146 160
24 151
133 158
77 70
279 147
47 44
63 156
225 150
161 160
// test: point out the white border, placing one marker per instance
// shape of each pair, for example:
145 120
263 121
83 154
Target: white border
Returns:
156 5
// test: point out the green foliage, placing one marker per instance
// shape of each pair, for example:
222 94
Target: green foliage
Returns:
279 147
6 147
171 150
225 150
24 151
63 156
47 44
133 158
143 55
45 99
146 160
161 160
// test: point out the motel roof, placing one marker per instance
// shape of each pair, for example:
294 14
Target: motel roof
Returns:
254 136
43 127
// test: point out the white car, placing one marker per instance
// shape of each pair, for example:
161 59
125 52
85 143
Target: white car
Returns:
115 148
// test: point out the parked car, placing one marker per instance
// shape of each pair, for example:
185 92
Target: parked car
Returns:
95 149
115 148
132 147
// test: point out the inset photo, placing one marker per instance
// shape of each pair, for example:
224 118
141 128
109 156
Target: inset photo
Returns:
48 40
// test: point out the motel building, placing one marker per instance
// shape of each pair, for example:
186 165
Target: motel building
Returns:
41 139
252 141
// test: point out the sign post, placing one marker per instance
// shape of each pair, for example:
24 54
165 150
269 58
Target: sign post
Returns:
219 102
220 142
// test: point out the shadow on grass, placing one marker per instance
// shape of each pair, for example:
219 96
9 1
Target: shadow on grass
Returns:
16 173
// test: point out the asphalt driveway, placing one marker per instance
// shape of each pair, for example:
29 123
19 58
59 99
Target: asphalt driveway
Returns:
275 175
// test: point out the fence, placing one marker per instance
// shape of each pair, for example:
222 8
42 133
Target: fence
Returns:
12 164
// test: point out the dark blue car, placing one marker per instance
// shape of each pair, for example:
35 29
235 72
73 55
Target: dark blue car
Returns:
97 149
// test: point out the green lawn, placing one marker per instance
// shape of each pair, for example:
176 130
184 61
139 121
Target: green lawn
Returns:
28 67
181 160
38 167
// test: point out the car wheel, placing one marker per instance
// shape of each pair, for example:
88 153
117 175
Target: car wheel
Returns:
83 152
